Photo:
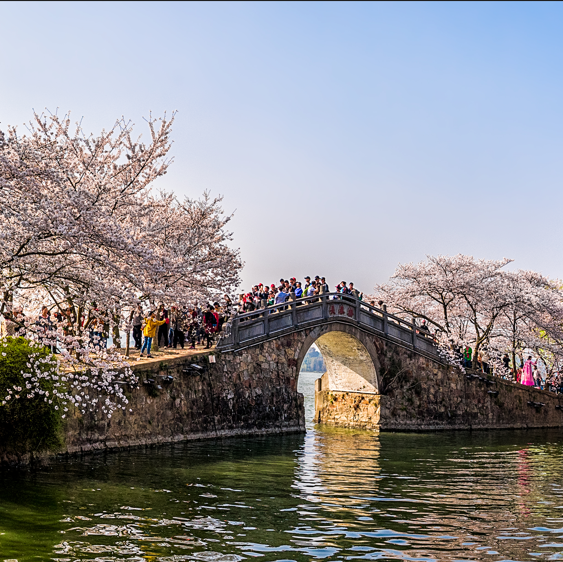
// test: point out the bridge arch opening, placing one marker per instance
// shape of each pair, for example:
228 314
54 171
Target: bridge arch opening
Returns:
350 365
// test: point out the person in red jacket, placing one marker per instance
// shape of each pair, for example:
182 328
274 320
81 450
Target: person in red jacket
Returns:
209 324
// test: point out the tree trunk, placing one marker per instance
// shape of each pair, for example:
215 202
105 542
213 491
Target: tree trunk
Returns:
116 335
475 355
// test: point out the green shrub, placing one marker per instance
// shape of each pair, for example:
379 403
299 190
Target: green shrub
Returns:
27 424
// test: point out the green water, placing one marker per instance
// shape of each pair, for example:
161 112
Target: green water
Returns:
329 494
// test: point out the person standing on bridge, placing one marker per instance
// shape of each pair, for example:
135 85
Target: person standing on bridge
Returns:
312 289
528 373
306 286
248 303
286 287
424 327
281 297
229 305
263 295
342 288
355 292
255 297
290 288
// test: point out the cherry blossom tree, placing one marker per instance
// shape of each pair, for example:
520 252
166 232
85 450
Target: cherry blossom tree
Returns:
66 199
532 319
192 247
478 303
85 235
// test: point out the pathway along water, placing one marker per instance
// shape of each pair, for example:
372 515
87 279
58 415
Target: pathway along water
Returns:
330 495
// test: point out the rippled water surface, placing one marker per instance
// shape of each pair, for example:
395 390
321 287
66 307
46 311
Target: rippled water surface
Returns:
329 494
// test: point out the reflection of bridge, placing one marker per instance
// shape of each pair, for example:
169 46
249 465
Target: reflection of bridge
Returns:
275 321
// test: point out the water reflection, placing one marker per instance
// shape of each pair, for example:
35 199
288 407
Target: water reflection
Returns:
329 495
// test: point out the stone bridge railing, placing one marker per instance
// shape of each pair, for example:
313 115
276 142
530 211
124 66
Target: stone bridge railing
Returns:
269 323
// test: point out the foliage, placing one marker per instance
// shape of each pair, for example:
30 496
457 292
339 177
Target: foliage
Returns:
33 424
81 223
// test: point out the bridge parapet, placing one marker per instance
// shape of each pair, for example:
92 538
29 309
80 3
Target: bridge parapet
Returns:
254 327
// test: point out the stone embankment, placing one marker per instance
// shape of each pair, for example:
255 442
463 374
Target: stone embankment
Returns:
188 395
253 391
372 381
198 396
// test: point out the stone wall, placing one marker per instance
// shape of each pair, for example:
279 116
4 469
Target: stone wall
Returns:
240 394
421 394
347 409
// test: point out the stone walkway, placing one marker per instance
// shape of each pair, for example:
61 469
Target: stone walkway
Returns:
164 354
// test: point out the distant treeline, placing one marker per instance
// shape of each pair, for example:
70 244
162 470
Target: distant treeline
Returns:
313 362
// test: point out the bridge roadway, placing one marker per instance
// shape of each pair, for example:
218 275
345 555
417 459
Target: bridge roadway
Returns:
261 325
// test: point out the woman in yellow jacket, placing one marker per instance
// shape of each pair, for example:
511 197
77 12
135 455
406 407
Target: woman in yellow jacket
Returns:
151 324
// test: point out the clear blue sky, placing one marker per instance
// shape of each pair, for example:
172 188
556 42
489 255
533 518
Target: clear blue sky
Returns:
347 137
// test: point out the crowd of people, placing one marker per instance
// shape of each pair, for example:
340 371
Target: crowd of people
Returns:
176 326
169 326
525 371
16 324
264 295
528 373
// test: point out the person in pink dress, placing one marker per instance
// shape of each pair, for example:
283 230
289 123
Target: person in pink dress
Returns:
527 372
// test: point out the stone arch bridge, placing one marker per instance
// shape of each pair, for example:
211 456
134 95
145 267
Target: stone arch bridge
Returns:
382 372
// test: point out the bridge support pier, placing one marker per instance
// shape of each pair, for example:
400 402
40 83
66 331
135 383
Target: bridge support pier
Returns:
346 408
